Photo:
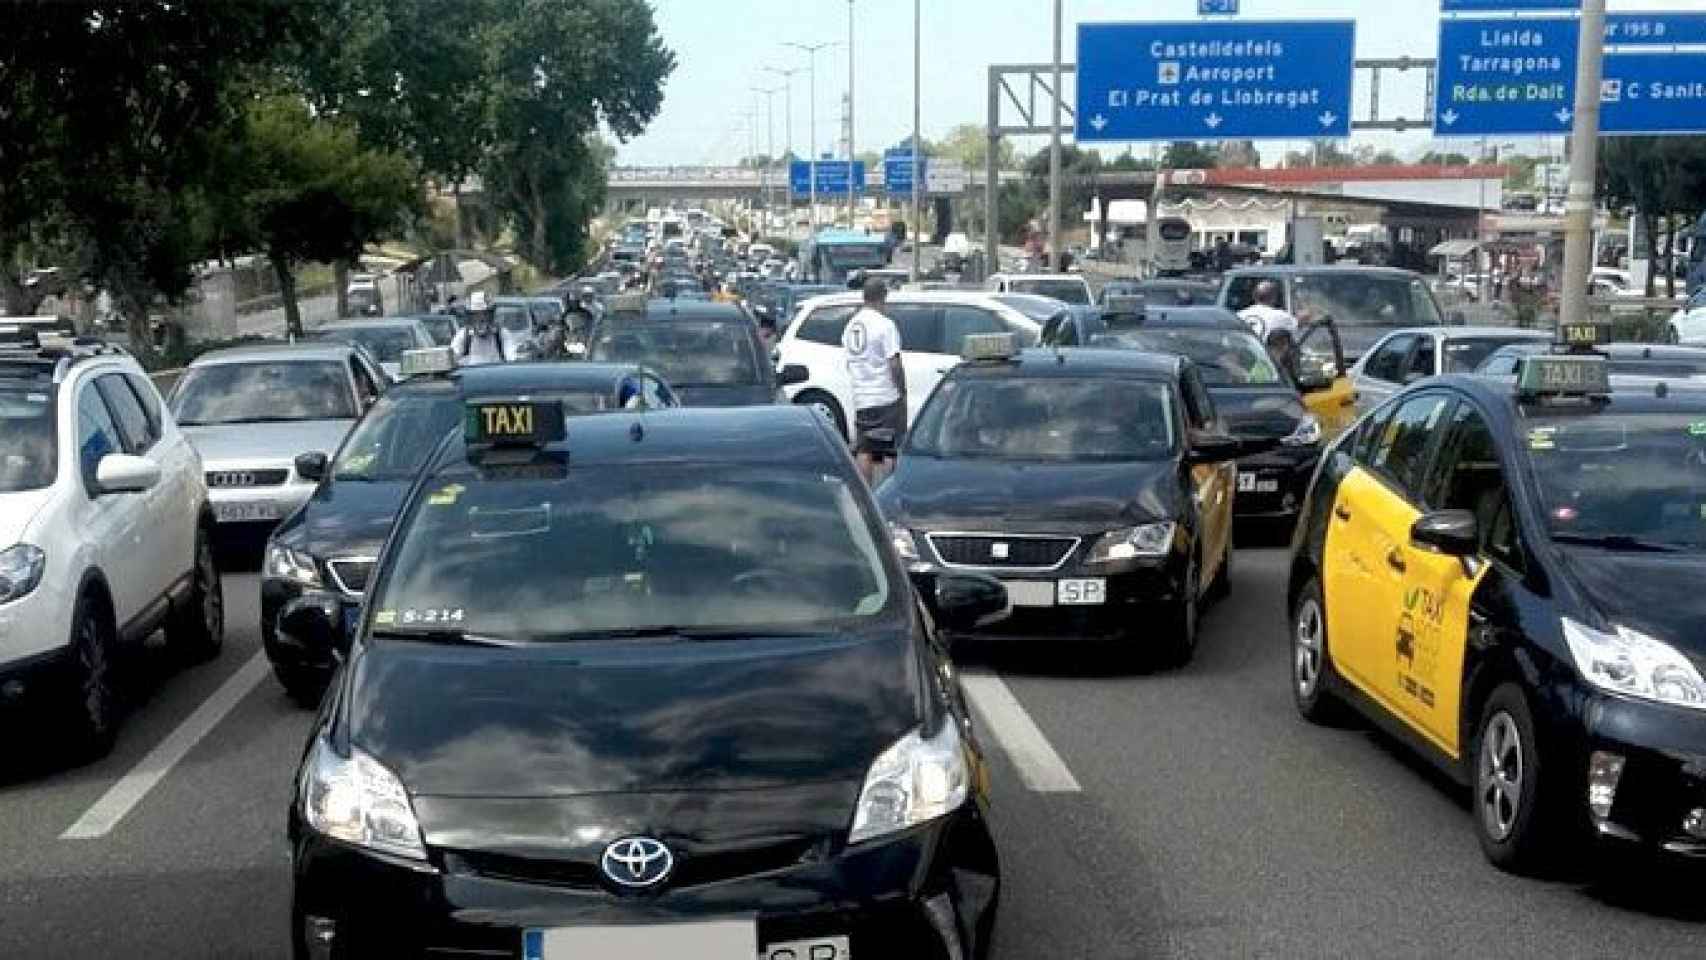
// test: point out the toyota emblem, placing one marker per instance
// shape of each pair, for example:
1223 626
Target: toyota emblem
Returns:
637 862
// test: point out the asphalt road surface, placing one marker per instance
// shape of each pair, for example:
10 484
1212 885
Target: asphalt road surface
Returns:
1184 813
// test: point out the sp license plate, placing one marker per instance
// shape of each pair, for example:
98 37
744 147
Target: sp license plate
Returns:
1081 593
1256 483
245 512
826 948
717 940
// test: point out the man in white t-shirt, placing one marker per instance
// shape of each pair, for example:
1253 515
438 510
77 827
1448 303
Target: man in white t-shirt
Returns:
872 343
481 341
1264 316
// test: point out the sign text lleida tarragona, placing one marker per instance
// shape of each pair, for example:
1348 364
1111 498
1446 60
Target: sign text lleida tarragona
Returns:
1238 80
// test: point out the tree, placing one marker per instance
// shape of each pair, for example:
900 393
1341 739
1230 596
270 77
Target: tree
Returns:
968 143
1188 155
1078 168
1661 179
1434 159
302 188
1126 163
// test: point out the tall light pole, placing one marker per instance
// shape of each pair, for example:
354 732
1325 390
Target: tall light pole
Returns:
769 140
1584 158
787 102
810 50
917 231
851 191
1054 156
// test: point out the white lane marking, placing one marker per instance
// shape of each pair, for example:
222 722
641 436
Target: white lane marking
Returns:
129 790
1004 716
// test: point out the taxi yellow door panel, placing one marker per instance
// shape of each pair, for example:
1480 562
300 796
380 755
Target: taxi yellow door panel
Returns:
1429 644
1212 485
1334 407
1366 540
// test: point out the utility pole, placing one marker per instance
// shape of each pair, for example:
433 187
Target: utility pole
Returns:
1054 156
787 103
1584 159
852 188
917 231
769 142
810 50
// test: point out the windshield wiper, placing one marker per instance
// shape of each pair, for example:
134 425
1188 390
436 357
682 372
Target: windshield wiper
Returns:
674 633
448 637
1617 541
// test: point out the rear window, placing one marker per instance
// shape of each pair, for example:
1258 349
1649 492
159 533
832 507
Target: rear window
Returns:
1046 419
387 344
29 449
1366 300
687 354
264 392
1464 356
825 325
1065 290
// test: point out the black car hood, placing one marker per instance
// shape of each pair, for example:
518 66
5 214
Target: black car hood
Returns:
941 494
640 716
1260 413
1657 594
346 517
736 395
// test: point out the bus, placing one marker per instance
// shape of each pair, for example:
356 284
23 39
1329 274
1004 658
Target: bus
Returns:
832 254
1170 249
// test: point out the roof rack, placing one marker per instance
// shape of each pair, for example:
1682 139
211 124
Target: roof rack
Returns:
63 354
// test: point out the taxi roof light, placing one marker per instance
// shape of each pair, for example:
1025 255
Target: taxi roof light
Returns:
989 347
429 360
513 422
1567 375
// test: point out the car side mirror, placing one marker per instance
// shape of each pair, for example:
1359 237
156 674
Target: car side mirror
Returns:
1214 448
793 373
122 473
962 602
1449 532
311 466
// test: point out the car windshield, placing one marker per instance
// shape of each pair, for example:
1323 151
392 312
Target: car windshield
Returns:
397 435
513 317
1226 358
264 391
442 327
29 449
687 354
653 548
387 344
1064 290
1046 418
1366 300
1628 479
1464 356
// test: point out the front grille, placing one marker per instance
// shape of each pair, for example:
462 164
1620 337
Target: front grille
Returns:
1001 552
246 478
691 869
350 574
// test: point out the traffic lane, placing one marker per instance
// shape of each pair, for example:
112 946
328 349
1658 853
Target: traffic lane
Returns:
198 866
1249 832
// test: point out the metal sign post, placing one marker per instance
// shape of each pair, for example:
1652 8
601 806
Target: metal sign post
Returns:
1584 160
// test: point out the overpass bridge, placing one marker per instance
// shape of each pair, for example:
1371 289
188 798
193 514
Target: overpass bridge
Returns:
640 187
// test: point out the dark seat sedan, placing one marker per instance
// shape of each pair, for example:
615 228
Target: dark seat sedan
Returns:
636 686
710 352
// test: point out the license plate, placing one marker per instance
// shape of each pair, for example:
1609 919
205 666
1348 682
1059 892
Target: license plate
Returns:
241 512
1081 593
1254 483
827 948
718 940
1030 593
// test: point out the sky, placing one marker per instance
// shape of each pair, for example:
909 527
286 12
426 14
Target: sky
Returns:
723 47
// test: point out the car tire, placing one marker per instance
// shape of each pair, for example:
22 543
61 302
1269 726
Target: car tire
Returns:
1311 665
1518 804
1183 626
92 703
826 403
196 632
305 687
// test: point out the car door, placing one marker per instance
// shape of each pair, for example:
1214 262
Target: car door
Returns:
815 343
1214 483
1367 540
113 523
1381 375
922 355
161 536
180 466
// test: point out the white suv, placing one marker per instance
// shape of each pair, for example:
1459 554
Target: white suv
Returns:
104 535
933 328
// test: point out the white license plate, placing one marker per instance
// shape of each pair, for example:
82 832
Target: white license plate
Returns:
1253 483
827 948
717 940
1030 593
1081 593
240 512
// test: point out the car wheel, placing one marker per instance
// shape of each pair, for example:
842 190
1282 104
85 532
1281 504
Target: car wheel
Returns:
1182 628
826 405
306 687
1310 665
92 702
196 632
1519 814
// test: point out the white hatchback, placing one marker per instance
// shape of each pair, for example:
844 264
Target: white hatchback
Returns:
933 327
105 536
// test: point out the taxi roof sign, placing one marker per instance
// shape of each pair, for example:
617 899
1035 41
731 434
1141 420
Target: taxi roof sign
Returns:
428 360
1588 333
1125 303
513 423
989 346
1564 375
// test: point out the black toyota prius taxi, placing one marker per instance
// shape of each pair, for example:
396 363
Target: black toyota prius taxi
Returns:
633 686
1507 576
1096 484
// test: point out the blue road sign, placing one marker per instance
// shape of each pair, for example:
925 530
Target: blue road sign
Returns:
1653 93
1501 6
1654 29
833 177
897 172
1208 8
1193 80
1505 77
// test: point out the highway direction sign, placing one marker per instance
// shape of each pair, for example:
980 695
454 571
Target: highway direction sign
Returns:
897 172
1500 6
1653 93
1505 76
1195 80
833 177
1654 29
1208 8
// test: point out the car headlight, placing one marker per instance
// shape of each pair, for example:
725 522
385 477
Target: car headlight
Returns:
1143 540
283 563
916 780
905 544
1307 434
1630 662
356 800
21 567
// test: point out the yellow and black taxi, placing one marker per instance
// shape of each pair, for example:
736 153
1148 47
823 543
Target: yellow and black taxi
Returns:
326 549
1507 577
632 685
1096 484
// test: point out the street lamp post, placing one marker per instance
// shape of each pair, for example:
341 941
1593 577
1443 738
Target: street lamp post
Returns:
1054 156
851 192
810 50
787 103
769 142
917 231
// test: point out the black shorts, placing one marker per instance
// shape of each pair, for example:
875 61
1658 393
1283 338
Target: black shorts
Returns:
880 429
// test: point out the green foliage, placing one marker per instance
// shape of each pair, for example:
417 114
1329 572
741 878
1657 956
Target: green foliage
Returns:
1662 179
1187 155
969 144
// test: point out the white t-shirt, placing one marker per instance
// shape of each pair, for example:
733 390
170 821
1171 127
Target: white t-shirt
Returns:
484 350
1263 320
871 341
